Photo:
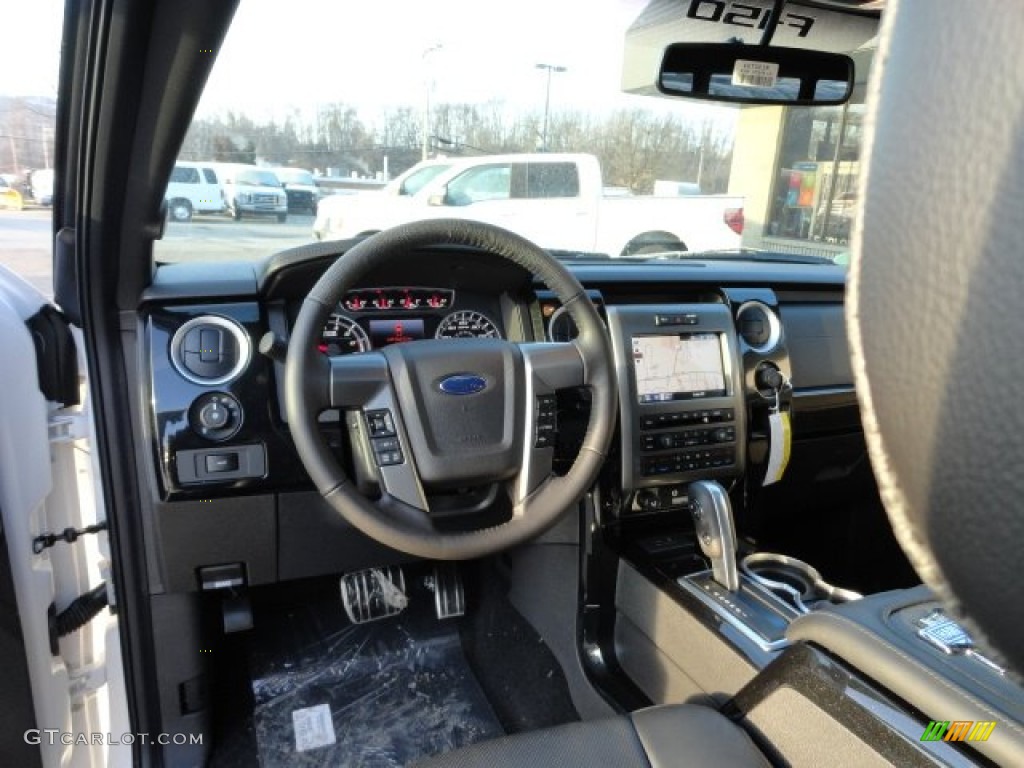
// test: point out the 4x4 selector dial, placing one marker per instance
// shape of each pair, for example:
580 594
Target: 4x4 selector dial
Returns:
216 416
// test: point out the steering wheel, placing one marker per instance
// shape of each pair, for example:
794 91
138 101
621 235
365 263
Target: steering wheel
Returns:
439 414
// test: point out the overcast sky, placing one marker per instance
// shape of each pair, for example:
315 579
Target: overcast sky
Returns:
373 52
286 55
30 46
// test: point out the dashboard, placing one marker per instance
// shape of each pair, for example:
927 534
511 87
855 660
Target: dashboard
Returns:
692 343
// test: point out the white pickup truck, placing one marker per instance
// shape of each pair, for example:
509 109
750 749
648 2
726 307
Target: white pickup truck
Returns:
556 200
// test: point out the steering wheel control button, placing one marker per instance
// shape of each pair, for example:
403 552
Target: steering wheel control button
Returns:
216 416
386 444
380 423
547 421
388 451
389 458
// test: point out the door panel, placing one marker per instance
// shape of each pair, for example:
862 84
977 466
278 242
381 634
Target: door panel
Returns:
47 473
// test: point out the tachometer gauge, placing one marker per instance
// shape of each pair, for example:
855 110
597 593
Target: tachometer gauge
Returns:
342 336
467 324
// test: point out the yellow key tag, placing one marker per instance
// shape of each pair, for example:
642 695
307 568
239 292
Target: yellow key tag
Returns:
780 437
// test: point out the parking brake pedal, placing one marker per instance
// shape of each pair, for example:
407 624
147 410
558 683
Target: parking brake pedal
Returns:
449 594
373 594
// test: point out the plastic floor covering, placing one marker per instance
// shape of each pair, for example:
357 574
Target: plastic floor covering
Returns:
329 693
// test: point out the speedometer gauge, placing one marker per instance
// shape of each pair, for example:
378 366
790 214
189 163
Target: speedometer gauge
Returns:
342 336
467 324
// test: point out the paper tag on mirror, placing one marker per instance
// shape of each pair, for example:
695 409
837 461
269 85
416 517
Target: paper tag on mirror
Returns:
780 437
759 74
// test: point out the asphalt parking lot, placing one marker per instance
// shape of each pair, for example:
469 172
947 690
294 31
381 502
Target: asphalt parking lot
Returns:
25 241
218 237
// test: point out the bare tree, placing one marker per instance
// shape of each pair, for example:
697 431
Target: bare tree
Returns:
636 147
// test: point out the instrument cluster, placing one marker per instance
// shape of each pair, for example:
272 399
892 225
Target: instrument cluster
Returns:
371 318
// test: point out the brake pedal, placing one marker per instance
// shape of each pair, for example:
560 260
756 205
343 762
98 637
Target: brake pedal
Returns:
449 594
373 594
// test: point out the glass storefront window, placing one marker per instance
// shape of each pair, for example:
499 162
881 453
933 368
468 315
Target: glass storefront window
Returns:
815 193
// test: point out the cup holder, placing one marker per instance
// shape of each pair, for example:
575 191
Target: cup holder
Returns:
794 581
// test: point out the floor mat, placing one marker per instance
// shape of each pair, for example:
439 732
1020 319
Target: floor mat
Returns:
326 692
516 669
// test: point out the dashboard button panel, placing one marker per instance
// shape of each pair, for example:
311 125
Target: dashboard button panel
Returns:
681 396
222 464
216 416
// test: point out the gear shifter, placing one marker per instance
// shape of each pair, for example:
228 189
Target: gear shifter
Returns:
716 532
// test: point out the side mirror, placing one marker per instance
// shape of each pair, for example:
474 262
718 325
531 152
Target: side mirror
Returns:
755 74
439 199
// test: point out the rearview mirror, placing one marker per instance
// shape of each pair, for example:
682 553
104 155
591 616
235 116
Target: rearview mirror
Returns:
755 74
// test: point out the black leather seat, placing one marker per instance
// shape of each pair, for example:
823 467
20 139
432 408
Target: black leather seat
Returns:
680 736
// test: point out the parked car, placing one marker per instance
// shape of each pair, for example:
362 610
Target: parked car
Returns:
252 191
193 188
41 186
527 192
10 197
299 187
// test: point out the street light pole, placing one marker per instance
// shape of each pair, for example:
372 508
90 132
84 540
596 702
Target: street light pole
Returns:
425 133
547 101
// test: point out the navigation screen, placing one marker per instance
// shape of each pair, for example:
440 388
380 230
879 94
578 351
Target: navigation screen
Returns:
685 367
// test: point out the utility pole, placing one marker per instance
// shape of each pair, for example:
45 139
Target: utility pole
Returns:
426 99
547 101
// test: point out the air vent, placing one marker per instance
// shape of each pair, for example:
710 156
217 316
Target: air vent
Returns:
210 350
758 326
561 326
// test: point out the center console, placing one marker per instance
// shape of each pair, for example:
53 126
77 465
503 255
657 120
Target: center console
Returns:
681 399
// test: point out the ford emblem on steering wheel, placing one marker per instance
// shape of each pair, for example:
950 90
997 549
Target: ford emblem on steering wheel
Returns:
463 384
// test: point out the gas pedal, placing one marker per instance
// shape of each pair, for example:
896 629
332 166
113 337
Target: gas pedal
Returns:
373 594
449 594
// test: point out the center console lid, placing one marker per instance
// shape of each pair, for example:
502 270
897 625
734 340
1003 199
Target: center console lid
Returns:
905 642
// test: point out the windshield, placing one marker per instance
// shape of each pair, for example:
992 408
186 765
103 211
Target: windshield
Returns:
563 137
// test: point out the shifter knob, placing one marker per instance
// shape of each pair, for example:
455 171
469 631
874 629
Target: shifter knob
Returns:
716 532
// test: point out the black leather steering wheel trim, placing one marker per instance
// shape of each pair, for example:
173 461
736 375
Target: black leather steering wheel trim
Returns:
307 376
